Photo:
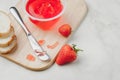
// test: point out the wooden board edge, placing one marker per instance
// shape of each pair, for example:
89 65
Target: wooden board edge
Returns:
30 68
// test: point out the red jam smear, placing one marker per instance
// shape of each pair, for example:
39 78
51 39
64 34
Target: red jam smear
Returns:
30 57
53 45
44 8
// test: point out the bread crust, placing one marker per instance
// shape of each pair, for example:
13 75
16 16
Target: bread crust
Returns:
3 35
9 50
9 42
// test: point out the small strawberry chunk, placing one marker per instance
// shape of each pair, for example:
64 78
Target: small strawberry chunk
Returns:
65 30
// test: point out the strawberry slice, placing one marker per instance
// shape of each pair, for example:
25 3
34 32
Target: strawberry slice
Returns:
67 54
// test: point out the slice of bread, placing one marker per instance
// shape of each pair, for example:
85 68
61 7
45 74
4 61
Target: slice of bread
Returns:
8 33
7 49
5 23
6 41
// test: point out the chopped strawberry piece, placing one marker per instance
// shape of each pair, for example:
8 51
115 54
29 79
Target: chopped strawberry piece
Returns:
65 30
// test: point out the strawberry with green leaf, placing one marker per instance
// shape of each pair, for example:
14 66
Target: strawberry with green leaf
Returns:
67 54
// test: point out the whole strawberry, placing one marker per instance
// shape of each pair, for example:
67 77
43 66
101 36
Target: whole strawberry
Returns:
67 54
65 30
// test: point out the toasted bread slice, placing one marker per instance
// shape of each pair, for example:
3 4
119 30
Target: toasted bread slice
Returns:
7 49
6 41
5 23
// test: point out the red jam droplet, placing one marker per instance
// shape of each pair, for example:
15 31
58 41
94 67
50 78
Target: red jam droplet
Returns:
44 8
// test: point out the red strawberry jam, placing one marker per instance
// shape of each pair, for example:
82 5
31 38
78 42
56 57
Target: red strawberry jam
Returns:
44 8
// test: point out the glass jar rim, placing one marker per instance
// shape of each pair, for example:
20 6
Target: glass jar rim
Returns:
46 19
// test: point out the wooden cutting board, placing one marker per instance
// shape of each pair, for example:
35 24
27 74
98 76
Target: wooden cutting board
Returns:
51 40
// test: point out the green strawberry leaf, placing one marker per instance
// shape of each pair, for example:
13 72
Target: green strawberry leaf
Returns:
76 49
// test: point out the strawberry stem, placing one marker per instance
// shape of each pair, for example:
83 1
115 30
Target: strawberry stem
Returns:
76 49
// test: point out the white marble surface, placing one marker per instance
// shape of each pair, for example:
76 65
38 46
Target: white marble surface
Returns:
98 36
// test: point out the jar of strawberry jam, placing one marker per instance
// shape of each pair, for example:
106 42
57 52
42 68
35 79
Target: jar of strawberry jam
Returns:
44 13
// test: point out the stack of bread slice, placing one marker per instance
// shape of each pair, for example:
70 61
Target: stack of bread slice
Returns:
8 40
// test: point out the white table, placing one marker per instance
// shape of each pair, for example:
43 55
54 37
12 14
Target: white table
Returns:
98 36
